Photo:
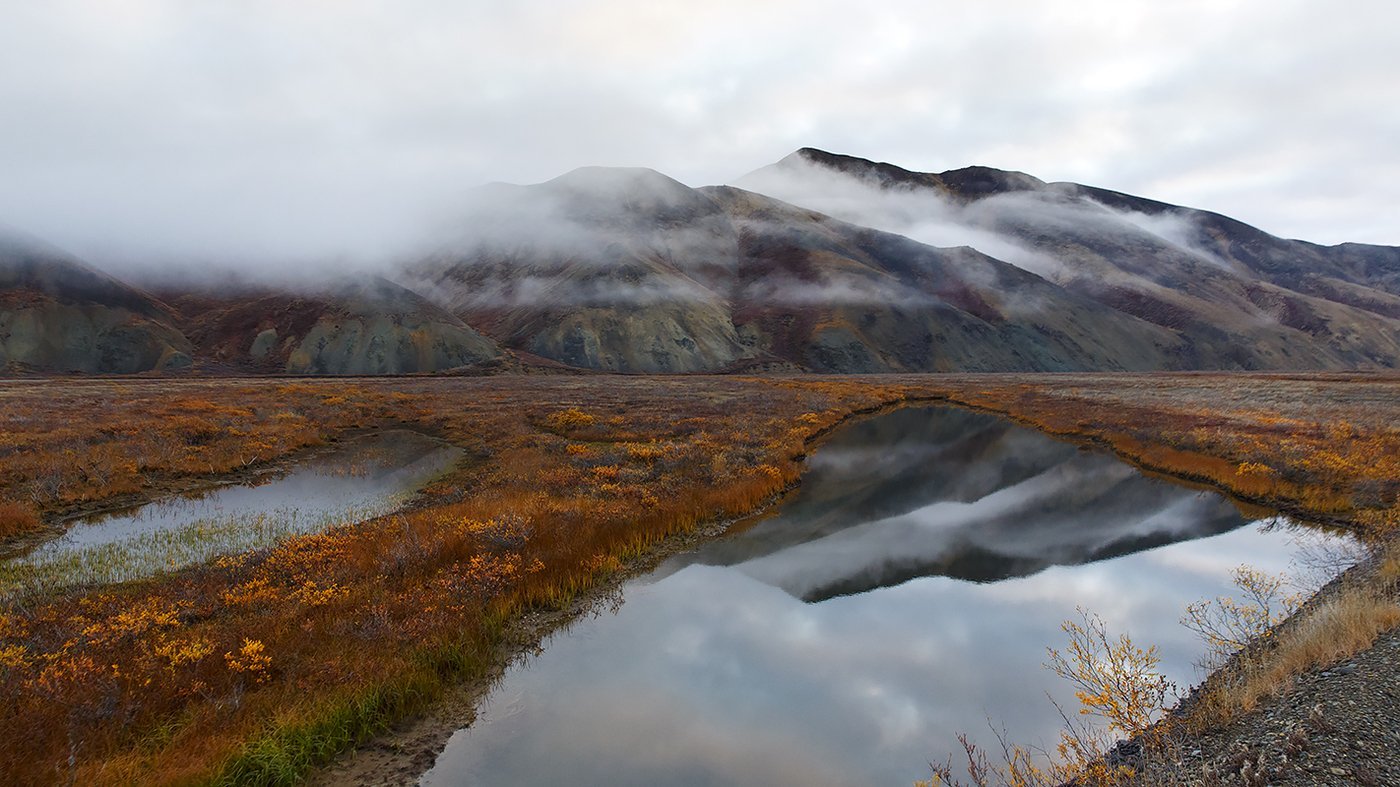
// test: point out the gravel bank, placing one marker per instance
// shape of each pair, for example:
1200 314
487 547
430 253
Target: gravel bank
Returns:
1337 724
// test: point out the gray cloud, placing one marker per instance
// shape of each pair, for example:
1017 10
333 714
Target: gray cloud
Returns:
153 130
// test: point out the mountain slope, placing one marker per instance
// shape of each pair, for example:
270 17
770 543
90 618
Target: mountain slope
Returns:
836 297
58 315
610 269
1240 298
627 270
821 262
369 327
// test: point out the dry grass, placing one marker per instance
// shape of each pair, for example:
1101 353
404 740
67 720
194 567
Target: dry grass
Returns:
1388 568
255 667
258 665
1325 448
1337 628
17 519
64 446
1338 625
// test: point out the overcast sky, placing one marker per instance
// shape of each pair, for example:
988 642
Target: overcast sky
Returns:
158 129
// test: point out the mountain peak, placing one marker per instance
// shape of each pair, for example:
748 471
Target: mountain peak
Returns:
976 181
609 179
967 183
850 165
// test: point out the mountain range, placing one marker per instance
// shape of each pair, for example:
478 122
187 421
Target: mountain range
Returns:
819 263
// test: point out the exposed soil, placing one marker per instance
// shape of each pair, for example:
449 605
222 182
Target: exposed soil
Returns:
1336 727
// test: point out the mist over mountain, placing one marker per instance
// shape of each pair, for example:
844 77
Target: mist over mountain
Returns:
59 315
368 326
820 263
1237 296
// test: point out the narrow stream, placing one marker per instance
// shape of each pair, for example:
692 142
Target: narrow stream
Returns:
361 478
904 594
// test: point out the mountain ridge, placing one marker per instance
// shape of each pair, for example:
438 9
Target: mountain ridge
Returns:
1193 271
819 262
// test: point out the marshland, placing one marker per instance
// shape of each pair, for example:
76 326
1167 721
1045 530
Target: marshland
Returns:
617 392
790 566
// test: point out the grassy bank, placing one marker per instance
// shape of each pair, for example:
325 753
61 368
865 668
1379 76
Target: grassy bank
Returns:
1323 447
255 667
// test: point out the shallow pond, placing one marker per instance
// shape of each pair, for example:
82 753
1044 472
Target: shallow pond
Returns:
905 593
363 477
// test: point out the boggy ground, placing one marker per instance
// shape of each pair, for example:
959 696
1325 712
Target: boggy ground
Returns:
260 666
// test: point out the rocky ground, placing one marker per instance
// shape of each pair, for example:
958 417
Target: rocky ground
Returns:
1336 727
1333 725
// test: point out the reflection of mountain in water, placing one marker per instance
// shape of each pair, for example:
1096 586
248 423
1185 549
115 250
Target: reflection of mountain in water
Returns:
948 492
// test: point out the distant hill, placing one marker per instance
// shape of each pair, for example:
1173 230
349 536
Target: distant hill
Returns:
837 264
369 327
631 271
59 315
820 262
613 269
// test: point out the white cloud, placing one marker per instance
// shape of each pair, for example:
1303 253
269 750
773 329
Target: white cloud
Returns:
255 129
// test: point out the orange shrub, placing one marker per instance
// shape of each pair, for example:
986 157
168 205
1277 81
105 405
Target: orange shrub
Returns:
17 519
568 420
528 520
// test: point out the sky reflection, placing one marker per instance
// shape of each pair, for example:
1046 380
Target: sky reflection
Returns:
363 477
717 671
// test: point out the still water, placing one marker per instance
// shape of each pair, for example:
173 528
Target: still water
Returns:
905 593
361 478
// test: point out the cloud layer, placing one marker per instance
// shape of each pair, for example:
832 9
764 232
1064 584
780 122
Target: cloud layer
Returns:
154 130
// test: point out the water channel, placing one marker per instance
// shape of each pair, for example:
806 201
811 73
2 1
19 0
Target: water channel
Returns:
904 593
366 476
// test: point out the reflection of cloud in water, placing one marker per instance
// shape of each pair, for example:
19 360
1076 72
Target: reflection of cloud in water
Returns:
709 675
382 466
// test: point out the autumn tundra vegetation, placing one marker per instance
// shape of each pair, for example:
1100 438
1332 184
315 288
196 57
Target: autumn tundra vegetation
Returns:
257 666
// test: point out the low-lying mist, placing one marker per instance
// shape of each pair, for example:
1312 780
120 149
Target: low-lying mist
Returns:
996 225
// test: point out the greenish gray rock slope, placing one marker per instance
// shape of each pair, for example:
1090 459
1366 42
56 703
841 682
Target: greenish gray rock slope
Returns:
370 327
58 315
613 269
822 262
